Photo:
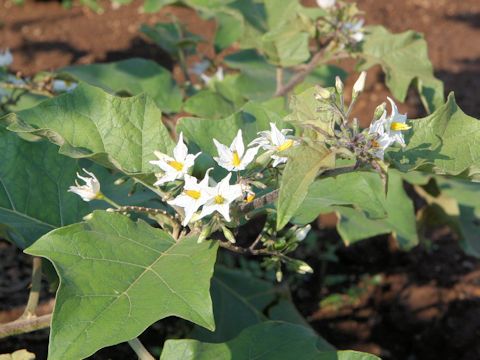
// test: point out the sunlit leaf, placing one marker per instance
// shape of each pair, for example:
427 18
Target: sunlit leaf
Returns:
118 277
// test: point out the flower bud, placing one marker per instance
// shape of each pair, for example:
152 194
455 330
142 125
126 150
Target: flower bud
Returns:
339 85
322 94
228 235
302 267
359 85
205 233
279 275
379 111
301 233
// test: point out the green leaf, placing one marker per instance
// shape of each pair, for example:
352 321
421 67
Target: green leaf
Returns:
361 190
400 221
445 142
269 340
229 29
404 59
118 277
286 46
257 78
116 132
252 118
209 104
302 167
34 180
132 77
241 300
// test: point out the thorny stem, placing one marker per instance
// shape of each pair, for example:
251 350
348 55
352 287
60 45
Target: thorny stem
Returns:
27 325
272 196
140 350
248 251
28 88
34 295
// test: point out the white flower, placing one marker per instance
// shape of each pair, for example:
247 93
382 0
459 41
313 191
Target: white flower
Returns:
354 30
325 4
89 191
220 198
275 141
194 195
200 67
234 158
217 76
63 86
380 140
360 83
176 167
12 79
6 58
396 123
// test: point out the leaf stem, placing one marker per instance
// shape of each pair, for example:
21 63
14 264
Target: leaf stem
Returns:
140 350
279 78
34 295
26 325
109 201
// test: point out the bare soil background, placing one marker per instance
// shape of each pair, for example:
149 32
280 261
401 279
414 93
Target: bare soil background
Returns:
427 303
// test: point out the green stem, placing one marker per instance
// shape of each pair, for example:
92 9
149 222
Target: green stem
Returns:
140 350
34 295
108 200
22 326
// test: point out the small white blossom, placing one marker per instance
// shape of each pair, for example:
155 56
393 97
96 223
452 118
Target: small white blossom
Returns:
90 190
234 158
275 141
176 167
325 4
354 30
380 139
217 76
395 124
359 85
220 198
193 196
63 86
6 58
200 67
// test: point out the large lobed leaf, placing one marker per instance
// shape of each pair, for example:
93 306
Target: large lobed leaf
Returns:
404 59
445 142
118 277
133 77
116 132
34 180
265 341
302 167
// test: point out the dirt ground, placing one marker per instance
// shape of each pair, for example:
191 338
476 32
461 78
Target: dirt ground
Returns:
427 302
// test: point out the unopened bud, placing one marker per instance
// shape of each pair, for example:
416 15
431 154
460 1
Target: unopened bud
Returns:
322 93
379 111
359 84
205 233
279 275
302 267
301 233
120 181
88 217
339 85
228 235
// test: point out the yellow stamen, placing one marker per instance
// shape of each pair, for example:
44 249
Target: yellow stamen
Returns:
236 159
286 145
375 144
219 199
194 194
176 165
398 126
250 198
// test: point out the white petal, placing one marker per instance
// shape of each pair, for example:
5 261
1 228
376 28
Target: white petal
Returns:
224 210
237 144
277 137
248 157
180 151
207 210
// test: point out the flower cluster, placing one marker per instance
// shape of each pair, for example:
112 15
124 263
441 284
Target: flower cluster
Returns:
200 198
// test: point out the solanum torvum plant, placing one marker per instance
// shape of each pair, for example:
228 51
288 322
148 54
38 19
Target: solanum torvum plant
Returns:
131 182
